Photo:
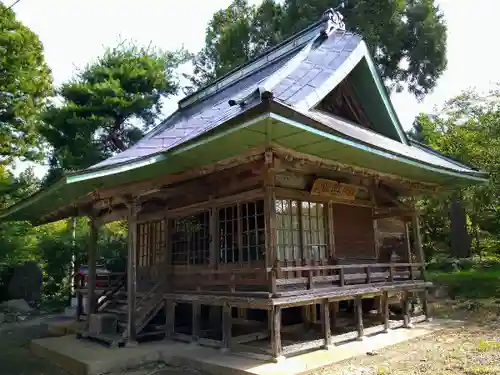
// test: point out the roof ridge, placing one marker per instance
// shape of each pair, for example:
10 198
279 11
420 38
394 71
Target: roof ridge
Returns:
290 44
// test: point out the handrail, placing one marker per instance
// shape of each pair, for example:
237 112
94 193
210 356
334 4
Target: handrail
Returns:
111 291
347 266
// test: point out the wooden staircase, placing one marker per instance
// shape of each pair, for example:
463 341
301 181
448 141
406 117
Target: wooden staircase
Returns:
149 318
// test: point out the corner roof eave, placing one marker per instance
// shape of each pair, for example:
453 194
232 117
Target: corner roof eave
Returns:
290 116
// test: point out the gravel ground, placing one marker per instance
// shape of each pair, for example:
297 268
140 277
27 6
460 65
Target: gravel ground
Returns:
470 349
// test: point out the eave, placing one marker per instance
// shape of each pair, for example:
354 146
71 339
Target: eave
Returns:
278 125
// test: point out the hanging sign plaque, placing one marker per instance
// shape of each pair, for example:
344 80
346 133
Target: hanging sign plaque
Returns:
330 188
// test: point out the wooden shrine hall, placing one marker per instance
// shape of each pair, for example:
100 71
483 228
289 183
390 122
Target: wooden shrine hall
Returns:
273 212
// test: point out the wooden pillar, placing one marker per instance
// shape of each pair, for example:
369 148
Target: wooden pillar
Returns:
385 311
421 259
325 323
79 305
276 347
170 318
131 272
419 251
359 318
195 323
271 259
406 310
271 254
334 312
425 305
92 260
226 327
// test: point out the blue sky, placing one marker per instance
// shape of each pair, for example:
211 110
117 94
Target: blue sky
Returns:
75 32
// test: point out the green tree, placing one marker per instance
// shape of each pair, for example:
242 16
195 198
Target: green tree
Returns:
109 104
406 37
467 129
25 84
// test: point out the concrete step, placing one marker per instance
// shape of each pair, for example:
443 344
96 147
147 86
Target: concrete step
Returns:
112 340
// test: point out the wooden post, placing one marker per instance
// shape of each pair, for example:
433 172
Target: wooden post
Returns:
271 254
418 242
92 259
425 305
385 311
359 318
407 240
226 327
331 230
406 310
325 319
335 310
196 321
170 318
276 347
341 276
271 259
79 304
131 272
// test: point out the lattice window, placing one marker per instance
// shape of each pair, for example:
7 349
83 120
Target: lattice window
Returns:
144 244
301 232
151 242
253 231
288 230
241 232
313 230
191 239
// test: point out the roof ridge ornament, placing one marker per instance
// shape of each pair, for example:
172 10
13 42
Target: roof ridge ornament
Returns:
333 21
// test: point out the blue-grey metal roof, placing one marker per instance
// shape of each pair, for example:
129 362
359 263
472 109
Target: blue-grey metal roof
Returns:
299 73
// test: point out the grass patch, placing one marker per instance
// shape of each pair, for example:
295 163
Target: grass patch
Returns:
481 370
476 283
488 346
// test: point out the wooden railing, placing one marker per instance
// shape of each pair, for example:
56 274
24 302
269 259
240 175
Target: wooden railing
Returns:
265 280
114 288
147 306
232 280
347 274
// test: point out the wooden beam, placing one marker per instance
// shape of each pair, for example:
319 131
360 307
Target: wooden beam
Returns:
131 272
205 205
306 196
139 187
397 181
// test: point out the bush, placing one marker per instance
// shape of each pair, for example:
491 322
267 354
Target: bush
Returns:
482 280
